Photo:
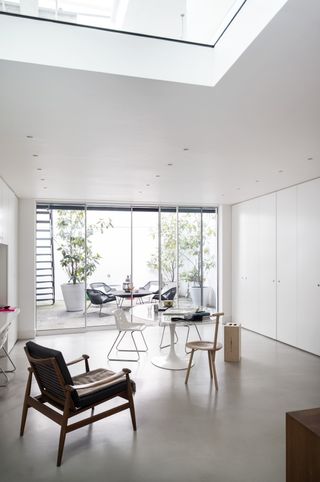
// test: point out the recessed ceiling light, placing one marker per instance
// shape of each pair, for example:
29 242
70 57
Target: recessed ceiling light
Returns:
39 168
148 185
43 179
140 192
35 155
170 164
29 137
186 148
280 171
157 175
310 158
257 180
45 187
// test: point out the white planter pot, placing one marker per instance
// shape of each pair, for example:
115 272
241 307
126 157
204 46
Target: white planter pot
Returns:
195 293
73 295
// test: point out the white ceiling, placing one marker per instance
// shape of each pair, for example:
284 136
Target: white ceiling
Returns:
101 137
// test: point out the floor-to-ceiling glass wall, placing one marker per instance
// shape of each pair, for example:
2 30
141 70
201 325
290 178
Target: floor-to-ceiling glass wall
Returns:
85 252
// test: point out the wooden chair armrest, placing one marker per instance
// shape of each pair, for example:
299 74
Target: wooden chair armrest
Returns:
77 360
105 382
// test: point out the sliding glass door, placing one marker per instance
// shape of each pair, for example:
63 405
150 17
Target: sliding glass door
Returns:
85 254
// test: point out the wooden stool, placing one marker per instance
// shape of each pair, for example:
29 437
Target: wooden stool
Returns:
232 342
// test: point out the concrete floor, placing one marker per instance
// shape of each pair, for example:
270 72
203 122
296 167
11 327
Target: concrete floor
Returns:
185 434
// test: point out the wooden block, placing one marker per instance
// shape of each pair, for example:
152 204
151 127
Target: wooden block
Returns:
232 342
303 446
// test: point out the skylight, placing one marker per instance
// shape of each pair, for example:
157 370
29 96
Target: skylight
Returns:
198 21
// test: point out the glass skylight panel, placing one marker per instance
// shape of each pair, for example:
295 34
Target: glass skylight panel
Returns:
199 21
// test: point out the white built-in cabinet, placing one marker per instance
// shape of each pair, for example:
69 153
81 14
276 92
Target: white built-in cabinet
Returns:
308 266
254 264
276 265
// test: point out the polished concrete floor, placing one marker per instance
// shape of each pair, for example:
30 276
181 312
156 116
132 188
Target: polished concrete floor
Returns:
185 434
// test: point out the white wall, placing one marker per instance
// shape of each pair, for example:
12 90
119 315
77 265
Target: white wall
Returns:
9 236
27 212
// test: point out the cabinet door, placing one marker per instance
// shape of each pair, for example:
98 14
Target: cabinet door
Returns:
238 263
308 266
251 272
267 266
287 266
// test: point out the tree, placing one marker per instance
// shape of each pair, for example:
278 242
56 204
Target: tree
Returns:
77 256
168 250
189 249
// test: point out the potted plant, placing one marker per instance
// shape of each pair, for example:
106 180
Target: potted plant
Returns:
77 256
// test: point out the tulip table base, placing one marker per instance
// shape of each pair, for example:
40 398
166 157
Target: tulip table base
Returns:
171 361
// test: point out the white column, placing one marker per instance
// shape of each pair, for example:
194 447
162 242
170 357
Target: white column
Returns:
225 262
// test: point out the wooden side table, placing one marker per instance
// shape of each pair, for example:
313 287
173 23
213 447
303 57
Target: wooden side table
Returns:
303 446
232 342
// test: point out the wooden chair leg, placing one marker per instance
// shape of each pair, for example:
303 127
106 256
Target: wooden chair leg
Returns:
63 430
189 367
214 370
210 363
131 403
25 404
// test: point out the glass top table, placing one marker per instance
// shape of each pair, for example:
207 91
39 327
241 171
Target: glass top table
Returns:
171 360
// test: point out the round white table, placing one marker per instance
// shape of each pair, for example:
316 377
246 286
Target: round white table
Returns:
169 361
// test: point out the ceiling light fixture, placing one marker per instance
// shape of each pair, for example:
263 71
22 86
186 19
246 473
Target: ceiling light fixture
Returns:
147 185
186 148
45 187
310 158
39 168
257 180
29 137
43 179
157 175
35 155
170 164
280 171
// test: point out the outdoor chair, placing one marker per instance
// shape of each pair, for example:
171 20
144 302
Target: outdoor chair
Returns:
210 346
149 285
124 327
102 287
3 339
167 295
99 298
73 395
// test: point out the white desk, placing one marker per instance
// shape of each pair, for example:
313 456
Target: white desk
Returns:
170 361
6 317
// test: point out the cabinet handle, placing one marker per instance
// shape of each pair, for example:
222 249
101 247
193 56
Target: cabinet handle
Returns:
278 281
318 284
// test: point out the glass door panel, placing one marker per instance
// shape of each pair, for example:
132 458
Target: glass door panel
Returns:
210 256
109 250
145 251
60 267
168 253
190 257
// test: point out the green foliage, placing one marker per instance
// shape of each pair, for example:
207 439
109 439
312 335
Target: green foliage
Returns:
77 256
168 249
189 249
